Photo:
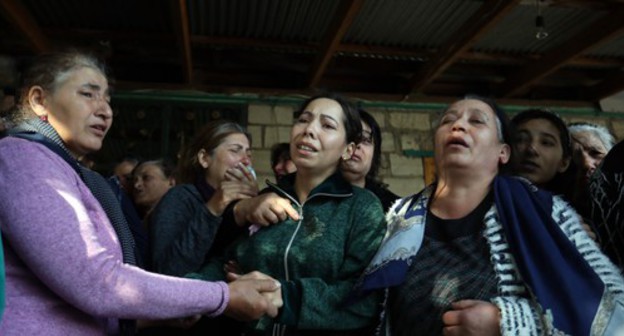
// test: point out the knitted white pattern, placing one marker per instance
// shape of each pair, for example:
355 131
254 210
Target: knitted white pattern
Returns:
520 314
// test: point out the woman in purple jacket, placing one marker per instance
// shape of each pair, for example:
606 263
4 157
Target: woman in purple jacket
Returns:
69 254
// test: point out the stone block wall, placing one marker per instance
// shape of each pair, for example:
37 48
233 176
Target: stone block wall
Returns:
407 138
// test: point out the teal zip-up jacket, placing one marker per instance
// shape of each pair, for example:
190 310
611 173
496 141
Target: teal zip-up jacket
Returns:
317 259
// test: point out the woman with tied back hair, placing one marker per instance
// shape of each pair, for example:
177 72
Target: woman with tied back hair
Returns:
590 143
191 223
69 254
481 253
325 232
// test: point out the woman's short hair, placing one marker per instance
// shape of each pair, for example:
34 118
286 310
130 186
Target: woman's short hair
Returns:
166 166
600 132
49 71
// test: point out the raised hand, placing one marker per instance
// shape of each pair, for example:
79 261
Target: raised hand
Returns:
472 317
239 183
265 209
249 301
242 173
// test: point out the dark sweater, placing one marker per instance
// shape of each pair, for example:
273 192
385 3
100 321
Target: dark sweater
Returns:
317 259
184 234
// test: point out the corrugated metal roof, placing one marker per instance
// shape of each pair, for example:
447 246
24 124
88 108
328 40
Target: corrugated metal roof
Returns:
284 20
276 44
515 34
408 23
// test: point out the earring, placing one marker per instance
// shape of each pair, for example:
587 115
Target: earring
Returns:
44 118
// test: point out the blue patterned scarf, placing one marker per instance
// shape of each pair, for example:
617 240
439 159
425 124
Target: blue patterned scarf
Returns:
553 269
551 266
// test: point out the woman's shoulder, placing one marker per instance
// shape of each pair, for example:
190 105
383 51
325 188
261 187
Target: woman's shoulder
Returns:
182 190
26 155
27 149
182 193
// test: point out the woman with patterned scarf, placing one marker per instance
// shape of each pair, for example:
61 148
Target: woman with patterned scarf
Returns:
481 253
68 251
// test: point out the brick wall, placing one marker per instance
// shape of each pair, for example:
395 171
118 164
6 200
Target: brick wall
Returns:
406 138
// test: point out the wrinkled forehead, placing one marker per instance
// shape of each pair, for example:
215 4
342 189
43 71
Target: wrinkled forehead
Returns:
587 138
473 106
83 73
470 107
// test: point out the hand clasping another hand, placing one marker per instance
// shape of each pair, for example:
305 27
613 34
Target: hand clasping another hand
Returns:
253 297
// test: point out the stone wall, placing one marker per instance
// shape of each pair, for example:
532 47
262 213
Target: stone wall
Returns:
406 139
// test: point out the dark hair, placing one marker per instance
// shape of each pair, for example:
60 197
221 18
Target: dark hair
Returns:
208 138
49 71
538 113
165 165
280 151
135 160
351 120
563 182
8 91
369 120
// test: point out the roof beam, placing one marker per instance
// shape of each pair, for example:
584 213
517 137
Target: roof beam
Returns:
25 23
343 18
607 87
484 19
602 30
244 42
183 37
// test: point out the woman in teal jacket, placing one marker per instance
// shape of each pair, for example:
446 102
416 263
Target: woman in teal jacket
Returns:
325 230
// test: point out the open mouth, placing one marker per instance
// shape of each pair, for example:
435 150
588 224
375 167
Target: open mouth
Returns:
457 142
100 129
306 147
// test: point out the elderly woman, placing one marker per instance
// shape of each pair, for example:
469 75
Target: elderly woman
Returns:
461 257
606 198
590 143
68 251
